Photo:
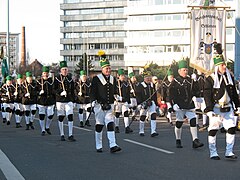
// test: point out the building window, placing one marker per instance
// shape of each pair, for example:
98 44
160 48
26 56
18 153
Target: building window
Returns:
229 47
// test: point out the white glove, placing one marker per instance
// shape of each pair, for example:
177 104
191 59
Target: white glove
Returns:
238 110
132 91
8 94
176 107
27 95
194 77
41 92
194 98
80 94
64 93
139 106
15 93
210 114
118 98
163 102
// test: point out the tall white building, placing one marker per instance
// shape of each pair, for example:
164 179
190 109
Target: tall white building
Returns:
13 47
91 25
158 31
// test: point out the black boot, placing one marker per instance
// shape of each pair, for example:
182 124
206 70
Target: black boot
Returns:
87 123
115 149
178 143
48 131
4 120
128 130
18 125
31 125
81 124
197 143
27 126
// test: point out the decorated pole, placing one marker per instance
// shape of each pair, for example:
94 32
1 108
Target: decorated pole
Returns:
237 43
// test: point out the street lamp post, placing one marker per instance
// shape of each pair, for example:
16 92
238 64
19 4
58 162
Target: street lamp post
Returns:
8 38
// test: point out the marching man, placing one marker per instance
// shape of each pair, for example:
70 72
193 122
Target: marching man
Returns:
82 95
104 87
46 100
165 94
18 100
147 102
133 94
64 88
121 105
181 91
221 100
8 98
29 100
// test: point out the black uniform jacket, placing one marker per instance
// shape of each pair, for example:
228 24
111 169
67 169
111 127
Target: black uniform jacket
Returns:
125 91
201 82
31 88
135 87
20 93
165 90
62 83
48 97
181 92
103 89
7 98
212 95
85 88
147 92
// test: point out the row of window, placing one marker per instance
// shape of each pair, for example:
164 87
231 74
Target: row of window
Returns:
94 11
162 49
95 34
79 1
94 23
157 17
156 2
158 49
94 58
94 46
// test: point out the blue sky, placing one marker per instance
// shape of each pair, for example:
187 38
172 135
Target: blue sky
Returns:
41 19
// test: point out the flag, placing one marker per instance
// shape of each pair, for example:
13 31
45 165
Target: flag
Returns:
5 71
207 30
2 53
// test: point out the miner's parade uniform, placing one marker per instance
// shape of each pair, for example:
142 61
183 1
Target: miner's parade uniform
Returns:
121 105
7 92
45 100
147 102
64 88
165 94
18 95
104 87
133 94
83 101
29 100
199 100
221 100
182 91
2 107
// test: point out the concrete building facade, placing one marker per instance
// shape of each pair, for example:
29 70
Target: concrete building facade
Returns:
158 31
132 32
14 48
91 25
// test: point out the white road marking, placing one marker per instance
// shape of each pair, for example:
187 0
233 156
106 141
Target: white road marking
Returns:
8 169
89 130
148 146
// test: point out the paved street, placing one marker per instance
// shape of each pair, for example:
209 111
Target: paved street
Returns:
28 155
